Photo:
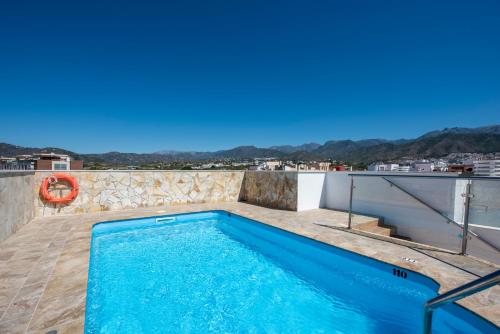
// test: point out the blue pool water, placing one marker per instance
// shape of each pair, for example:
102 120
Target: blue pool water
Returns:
214 272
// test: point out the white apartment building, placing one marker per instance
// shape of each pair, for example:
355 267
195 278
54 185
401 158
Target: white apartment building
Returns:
487 167
423 167
320 166
441 166
288 167
381 167
273 165
404 168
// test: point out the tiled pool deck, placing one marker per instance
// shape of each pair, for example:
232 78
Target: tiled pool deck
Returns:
43 267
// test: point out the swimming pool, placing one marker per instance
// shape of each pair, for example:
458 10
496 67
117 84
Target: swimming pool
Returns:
216 272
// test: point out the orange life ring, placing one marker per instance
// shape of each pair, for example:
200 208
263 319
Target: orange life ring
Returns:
44 188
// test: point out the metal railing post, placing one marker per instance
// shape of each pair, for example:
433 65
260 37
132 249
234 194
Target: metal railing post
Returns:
465 231
349 222
427 329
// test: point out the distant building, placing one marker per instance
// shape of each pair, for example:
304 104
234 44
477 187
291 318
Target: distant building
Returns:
423 167
53 161
320 166
20 162
487 167
461 168
337 168
260 166
404 168
273 165
382 167
302 166
288 167
40 161
440 166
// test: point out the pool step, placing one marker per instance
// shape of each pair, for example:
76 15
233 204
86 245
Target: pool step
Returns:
378 227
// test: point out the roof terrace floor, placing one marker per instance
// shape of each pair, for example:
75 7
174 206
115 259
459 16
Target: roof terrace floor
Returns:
44 266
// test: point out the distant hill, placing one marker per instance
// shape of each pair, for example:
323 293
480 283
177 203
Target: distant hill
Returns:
243 152
491 129
437 145
118 158
8 150
290 148
432 144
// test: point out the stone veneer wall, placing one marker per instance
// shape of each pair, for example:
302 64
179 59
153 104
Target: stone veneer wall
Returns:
16 201
117 190
273 189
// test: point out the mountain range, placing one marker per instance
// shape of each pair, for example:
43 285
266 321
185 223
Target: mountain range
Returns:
432 144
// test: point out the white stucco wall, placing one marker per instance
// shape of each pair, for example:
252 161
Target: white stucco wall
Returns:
337 186
311 191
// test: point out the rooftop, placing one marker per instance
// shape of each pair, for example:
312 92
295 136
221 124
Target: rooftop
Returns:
45 280
44 261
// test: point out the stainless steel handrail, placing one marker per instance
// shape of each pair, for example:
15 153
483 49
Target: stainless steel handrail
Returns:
463 291
421 201
464 228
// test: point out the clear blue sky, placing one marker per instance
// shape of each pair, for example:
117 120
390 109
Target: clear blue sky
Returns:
141 76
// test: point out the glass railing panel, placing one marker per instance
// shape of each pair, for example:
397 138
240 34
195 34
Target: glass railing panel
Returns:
431 210
485 203
420 208
484 216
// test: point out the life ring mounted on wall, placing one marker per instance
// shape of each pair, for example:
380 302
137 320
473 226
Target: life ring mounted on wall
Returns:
48 181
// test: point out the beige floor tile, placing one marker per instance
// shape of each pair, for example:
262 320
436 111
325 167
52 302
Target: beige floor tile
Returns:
20 307
58 310
16 326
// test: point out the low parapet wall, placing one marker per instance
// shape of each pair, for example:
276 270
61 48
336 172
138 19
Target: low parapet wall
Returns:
273 189
118 190
297 191
17 202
